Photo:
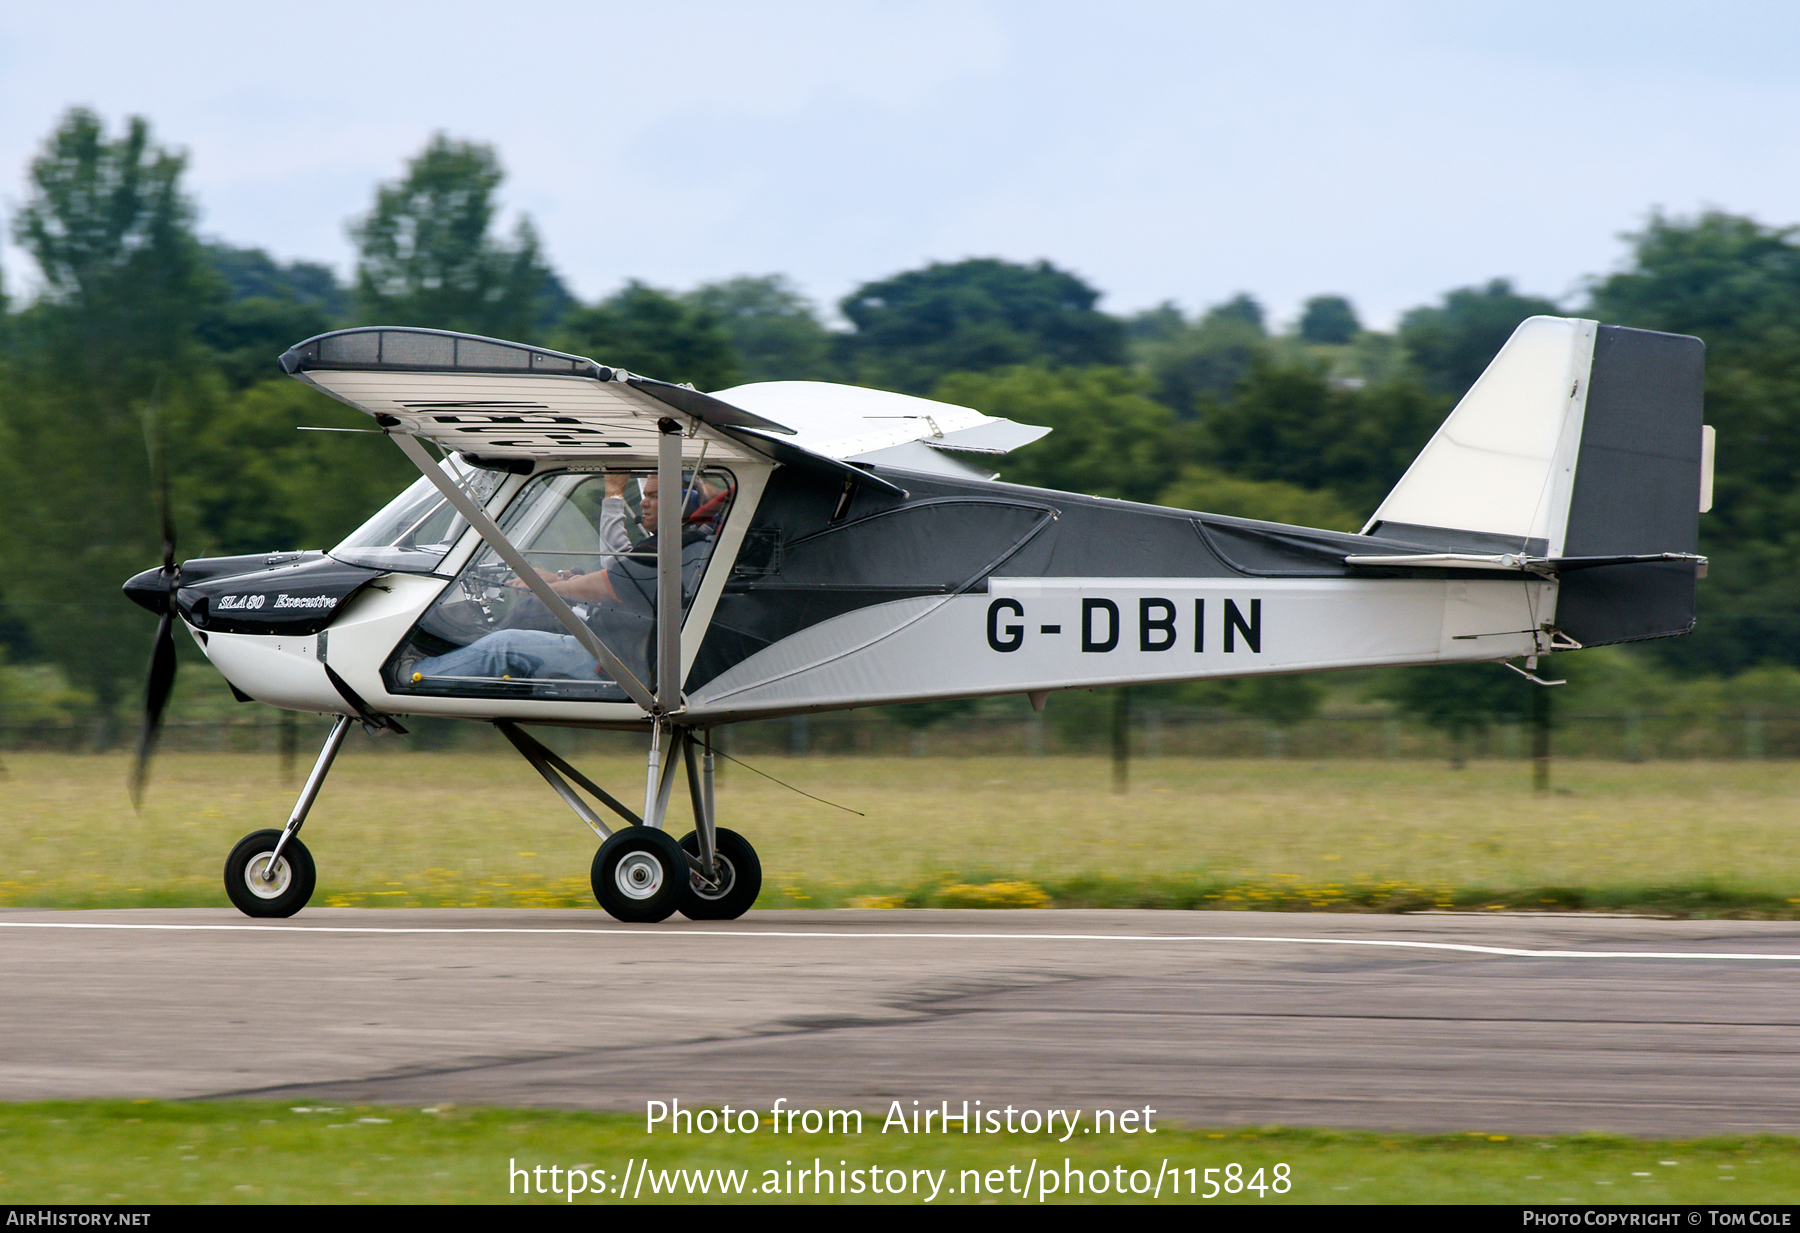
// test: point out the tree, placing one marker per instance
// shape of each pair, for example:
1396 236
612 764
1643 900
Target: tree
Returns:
427 257
1208 357
974 316
250 273
1329 319
773 328
1279 700
1207 491
1461 699
653 333
1289 422
1450 345
254 484
111 336
1241 308
1111 439
1157 324
112 235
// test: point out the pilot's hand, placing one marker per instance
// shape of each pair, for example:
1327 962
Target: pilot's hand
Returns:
550 576
616 482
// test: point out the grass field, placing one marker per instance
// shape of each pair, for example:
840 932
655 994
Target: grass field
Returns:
243 1152
410 829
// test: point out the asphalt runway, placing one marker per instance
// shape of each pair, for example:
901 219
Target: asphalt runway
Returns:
1512 1024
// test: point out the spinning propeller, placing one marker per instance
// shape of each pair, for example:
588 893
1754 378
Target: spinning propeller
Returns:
155 590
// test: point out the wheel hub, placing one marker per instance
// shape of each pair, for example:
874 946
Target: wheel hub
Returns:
258 880
723 870
639 876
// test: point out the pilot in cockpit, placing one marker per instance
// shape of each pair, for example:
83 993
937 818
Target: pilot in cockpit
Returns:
700 510
618 600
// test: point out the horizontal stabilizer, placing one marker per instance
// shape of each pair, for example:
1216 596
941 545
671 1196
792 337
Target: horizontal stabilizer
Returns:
1516 562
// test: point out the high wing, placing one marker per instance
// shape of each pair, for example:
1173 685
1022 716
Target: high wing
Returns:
493 399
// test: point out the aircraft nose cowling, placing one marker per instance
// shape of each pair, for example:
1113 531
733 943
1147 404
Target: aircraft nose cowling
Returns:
150 589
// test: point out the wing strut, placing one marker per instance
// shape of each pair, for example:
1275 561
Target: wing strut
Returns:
671 509
515 560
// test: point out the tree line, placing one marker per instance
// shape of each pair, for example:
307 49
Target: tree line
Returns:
145 350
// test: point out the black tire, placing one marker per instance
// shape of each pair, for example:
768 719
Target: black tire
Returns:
740 878
640 874
295 876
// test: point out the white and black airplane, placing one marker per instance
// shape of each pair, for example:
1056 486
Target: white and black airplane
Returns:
597 549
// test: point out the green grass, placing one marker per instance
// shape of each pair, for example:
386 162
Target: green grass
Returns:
261 1152
408 829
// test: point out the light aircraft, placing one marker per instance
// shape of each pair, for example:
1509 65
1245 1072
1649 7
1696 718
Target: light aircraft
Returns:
598 549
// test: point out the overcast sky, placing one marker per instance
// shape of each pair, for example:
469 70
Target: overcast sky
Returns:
1187 151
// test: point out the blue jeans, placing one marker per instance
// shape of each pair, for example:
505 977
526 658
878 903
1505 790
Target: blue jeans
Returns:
514 652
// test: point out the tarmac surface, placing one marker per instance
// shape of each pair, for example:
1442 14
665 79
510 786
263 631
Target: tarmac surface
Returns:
1427 1022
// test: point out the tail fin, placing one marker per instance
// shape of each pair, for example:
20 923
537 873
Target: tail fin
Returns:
1580 440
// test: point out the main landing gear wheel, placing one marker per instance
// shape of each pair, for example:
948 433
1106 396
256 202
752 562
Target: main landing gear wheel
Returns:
640 874
254 890
740 878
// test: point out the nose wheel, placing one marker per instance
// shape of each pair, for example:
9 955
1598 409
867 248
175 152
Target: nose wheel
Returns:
270 873
258 888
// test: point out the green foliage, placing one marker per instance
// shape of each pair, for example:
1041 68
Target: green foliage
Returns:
112 235
1289 422
1451 344
772 327
1719 276
1461 699
1774 687
250 273
427 257
1191 361
1111 439
1207 491
40 693
106 354
267 308
653 333
1241 308
255 484
974 316
246 336
1329 319
919 716
1155 324
1280 700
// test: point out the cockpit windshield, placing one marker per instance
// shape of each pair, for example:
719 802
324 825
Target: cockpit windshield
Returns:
411 533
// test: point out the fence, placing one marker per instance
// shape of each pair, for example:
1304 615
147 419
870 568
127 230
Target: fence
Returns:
1153 732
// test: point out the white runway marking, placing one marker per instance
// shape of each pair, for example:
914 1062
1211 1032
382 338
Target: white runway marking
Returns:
1399 943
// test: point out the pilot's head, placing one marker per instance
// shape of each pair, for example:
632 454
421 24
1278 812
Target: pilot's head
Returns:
647 502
